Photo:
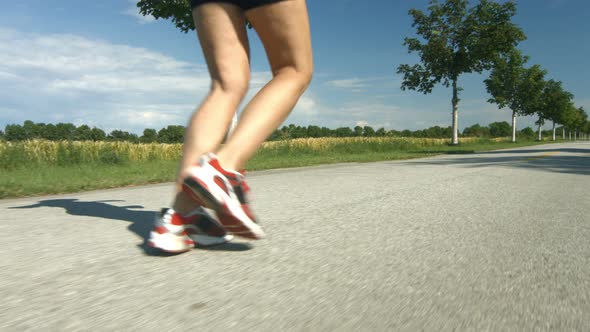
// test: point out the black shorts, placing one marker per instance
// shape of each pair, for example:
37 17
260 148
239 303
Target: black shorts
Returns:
244 4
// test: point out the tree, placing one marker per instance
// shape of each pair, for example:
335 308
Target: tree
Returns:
358 131
418 133
476 131
368 131
458 40
343 132
527 132
178 11
15 132
434 132
120 135
65 131
83 133
314 131
50 132
499 129
554 102
171 134
149 136
380 132
579 122
97 134
327 132
505 84
530 93
33 130
298 131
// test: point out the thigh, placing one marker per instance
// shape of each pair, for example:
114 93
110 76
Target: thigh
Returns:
221 28
283 28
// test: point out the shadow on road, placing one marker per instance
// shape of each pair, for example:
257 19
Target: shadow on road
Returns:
141 220
564 150
548 160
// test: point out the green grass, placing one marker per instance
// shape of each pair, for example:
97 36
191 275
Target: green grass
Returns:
41 180
269 159
67 179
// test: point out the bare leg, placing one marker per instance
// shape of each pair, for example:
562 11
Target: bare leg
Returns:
283 28
222 34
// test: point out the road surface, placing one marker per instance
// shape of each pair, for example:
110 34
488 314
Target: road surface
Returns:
488 241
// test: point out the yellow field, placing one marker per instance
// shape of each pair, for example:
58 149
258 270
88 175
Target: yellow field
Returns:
42 152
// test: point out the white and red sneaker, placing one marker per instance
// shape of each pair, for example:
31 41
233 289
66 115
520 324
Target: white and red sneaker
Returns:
169 233
203 228
224 192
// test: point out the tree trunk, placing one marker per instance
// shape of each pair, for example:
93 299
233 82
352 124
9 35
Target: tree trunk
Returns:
570 135
553 130
576 134
540 136
513 126
455 103
563 133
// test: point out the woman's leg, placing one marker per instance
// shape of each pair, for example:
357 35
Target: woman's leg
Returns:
222 34
283 28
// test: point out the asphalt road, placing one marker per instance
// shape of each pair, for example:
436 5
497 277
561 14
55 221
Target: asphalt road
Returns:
489 241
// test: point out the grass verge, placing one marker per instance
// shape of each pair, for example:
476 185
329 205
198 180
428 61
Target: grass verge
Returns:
42 180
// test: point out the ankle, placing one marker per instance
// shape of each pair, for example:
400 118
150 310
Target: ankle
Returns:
183 204
228 164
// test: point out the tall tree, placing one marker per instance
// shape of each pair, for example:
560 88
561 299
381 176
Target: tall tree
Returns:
505 84
458 40
579 121
530 93
554 102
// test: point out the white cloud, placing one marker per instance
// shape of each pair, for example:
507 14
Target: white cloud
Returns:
358 85
306 105
69 78
349 83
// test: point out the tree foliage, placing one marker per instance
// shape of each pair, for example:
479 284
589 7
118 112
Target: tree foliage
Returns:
505 83
500 129
531 90
178 11
171 134
554 101
455 40
458 40
476 130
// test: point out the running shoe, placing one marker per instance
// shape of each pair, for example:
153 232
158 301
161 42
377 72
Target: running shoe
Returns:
169 233
224 192
202 227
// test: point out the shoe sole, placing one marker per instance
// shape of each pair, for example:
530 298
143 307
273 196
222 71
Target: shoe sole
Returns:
169 242
228 215
202 240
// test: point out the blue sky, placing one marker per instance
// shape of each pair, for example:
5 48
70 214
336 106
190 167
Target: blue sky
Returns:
100 63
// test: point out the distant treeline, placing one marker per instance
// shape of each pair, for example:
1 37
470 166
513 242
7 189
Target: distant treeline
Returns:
175 134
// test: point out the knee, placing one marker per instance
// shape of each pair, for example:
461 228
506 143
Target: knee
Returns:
234 84
301 76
